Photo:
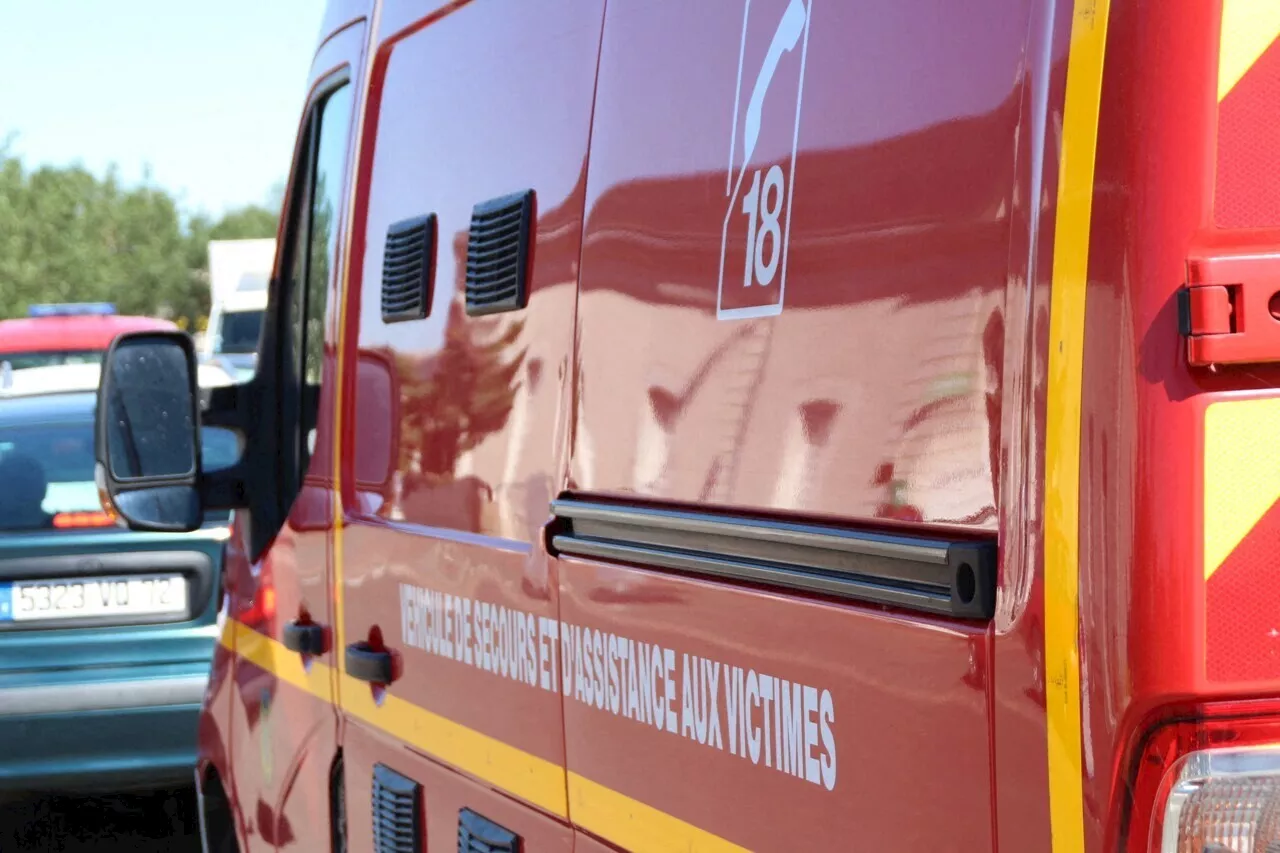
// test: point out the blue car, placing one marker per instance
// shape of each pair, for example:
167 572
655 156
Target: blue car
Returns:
106 635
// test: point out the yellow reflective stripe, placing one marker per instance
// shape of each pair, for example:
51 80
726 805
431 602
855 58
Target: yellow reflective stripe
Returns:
1249 27
527 776
609 814
522 774
338 397
632 825
1062 427
270 655
1241 473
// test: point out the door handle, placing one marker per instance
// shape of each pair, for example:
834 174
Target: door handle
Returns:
368 664
304 638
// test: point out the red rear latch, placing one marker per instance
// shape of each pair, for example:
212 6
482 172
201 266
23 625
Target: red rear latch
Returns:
1230 309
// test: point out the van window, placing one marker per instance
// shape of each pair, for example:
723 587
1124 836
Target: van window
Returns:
331 155
311 253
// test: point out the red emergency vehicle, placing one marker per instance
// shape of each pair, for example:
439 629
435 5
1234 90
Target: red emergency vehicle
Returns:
67 333
753 425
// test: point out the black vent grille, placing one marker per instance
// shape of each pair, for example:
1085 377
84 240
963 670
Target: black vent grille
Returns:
478 834
498 254
397 812
406 269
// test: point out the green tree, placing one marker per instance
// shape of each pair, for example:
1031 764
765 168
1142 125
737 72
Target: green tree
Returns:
67 235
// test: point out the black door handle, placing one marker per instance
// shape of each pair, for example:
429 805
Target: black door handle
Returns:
305 639
368 664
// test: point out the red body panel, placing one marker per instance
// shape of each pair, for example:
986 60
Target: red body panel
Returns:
875 392
918 701
476 407
282 737
444 793
64 334
1142 600
876 356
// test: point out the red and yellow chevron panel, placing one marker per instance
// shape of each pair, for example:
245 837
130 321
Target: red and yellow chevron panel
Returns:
1242 540
1248 115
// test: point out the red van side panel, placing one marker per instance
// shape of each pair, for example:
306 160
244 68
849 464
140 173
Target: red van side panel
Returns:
794 305
853 368
452 458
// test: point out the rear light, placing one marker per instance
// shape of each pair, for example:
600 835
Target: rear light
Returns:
67 520
1210 785
1224 800
262 608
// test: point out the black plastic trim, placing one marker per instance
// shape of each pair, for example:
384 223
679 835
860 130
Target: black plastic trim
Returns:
408 264
499 246
305 639
1184 311
942 576
478 834
169 490
397 812
368 664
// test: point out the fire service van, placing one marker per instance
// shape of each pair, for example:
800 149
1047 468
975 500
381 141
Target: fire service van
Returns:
750 425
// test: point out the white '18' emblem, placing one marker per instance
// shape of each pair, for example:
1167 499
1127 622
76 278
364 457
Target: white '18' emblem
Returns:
762 155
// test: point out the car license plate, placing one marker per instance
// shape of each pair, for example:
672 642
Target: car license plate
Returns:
89 598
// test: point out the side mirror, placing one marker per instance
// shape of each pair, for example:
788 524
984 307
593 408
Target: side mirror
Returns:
148 440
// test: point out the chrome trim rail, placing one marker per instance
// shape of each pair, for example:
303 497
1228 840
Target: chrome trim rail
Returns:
102 695
942 576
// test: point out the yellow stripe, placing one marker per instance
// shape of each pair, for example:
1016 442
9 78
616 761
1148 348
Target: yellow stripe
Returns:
344 298
1249 27
266 653
632 825
527 776
1062 428
522 774
616 817
1241 473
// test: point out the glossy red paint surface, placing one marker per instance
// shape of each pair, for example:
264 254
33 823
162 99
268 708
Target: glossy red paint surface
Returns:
283 739
213 744
1019 761
875 394
52 334
902 694
900 384
1248 136
457 442
1141 575
444 794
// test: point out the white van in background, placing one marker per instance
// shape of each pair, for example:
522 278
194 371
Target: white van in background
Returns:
239 271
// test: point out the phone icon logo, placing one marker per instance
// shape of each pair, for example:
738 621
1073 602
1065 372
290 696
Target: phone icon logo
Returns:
762 154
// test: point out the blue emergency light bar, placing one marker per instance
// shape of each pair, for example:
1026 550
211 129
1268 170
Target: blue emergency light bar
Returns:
72 309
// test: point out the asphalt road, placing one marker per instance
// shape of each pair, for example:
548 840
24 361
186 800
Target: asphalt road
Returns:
156 822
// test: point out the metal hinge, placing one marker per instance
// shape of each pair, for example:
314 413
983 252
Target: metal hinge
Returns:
1229 311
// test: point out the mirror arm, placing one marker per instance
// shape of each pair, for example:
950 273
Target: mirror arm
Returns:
232 407
225 489
226 406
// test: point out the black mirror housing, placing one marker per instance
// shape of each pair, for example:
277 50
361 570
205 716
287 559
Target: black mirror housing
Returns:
148 431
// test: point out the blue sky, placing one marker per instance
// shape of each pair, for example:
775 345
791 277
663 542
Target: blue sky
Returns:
207 93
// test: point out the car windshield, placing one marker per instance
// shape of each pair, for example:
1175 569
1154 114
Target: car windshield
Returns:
22 360
239 331
47 471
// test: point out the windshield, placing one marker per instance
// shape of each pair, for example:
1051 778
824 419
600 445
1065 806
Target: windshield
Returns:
47 470
239 331
22 360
